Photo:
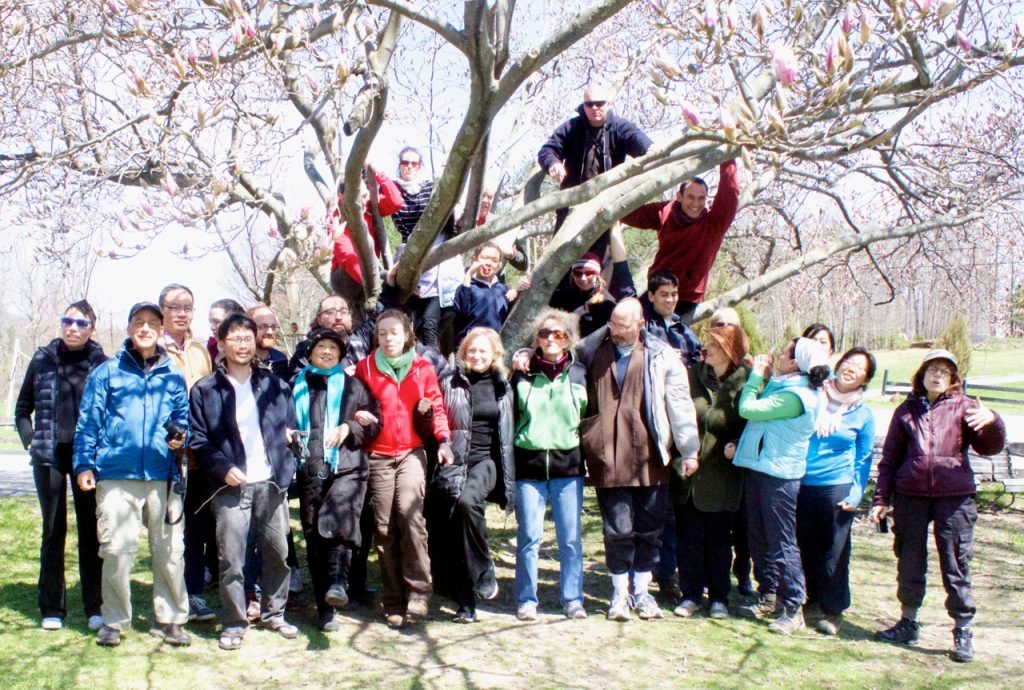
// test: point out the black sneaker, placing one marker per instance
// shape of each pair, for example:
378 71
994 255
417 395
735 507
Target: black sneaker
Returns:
904 632
963 645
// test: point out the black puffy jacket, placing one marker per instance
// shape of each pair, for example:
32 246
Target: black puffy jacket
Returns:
35 413
458 404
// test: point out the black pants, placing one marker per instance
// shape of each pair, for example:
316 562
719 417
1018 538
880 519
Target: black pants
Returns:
633 519
954 520
347 288
685 311
459 554
357 572
771 528
705 550
52 490
200 529
426 317
823 535
329 558
740 546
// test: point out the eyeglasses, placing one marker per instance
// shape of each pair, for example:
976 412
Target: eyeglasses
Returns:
580 274
939 371
237 340
341 311
411 164
68 322
558 335
594 104
267 327
178 308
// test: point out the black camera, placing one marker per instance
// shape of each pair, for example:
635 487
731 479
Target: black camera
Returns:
175 431
297 445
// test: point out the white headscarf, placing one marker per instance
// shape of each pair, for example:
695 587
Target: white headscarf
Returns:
809 354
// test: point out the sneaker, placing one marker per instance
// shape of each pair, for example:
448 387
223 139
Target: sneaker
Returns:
828 625
108 637
647 608
336 596
52 623
95 622
171 633
904 632
328 622
574 611
764 607
199 611
620 608
788 622
963 645
295 581
418 607
686 608
527 611
282 628
719 610
464 616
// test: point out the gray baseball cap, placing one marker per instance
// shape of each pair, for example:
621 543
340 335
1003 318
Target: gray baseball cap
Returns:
940 354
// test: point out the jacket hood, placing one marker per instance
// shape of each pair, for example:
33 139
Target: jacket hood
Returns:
125 353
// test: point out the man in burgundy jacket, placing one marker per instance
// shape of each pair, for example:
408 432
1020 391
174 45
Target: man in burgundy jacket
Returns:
689 234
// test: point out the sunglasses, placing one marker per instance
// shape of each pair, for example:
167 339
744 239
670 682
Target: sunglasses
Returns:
594 104
579 273
546 333
68 322
414 164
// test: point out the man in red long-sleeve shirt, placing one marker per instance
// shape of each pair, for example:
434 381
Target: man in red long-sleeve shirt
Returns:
689 234
346 275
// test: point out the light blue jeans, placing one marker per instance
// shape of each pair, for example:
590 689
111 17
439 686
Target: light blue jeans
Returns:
566 497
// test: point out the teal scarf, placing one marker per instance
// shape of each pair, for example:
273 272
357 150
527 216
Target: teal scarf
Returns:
395 367
332 412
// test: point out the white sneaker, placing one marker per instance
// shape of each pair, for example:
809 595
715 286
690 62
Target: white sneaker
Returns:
95 622
686 608
52 623
719 610
620 609
527 612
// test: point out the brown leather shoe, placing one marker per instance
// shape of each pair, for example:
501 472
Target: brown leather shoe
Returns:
171 633
108 637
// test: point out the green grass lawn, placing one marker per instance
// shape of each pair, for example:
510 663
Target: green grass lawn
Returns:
499 651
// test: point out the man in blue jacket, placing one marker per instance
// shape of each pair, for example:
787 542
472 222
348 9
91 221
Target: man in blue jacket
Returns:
124 449
241 417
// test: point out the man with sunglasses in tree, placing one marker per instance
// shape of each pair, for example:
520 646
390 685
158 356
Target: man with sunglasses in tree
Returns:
593 142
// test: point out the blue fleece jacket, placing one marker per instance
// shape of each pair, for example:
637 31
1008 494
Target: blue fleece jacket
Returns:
480 304
844 456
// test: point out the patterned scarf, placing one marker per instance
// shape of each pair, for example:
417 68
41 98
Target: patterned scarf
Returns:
830 415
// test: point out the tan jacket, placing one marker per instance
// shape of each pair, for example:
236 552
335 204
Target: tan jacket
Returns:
193 359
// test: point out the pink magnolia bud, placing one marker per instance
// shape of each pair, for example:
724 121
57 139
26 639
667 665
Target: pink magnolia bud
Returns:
785 64
847 20
112 7
691 117
963 41
193 53
923 5
147 209
250 30
732 18
272 230
710 16
236 34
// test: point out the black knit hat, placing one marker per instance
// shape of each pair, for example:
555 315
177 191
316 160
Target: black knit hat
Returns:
327 334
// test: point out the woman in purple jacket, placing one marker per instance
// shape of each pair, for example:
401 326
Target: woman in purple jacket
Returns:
926 475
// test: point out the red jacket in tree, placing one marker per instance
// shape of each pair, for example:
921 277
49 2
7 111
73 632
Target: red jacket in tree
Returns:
345 256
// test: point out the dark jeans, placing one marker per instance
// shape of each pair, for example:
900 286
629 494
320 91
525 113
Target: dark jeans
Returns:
823 535
426 313
459 555
740 545
633 519
771 529
954 519
264 505
668 554
329 558
357 572
52 490
705 551
446 332
200 530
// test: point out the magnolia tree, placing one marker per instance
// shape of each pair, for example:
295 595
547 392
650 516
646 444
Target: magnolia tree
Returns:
839 111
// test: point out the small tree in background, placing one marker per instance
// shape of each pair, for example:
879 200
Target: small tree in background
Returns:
956 339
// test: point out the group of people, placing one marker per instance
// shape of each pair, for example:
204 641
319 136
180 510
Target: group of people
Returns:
703 456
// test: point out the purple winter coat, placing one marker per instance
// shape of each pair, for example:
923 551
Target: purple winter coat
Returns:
925 451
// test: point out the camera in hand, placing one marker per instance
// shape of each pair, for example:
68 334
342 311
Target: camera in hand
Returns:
298 446
175 431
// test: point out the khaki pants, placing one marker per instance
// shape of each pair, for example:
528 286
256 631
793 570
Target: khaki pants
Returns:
396 493
123 506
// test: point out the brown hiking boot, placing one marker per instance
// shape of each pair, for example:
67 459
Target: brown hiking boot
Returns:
764 607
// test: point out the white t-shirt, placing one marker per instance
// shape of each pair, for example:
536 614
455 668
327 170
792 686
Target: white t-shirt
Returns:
257 468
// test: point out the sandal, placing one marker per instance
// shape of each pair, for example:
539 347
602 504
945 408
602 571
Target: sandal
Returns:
230 640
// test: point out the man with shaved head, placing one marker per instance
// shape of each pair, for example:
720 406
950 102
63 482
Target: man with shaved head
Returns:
639 420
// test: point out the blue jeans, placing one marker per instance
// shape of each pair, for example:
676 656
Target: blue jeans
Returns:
566 496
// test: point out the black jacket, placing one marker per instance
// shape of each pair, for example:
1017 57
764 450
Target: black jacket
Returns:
357 346
39 395
458 403
352 459
215 438
568 144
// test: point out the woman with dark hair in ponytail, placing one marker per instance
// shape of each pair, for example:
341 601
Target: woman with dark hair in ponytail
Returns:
773 448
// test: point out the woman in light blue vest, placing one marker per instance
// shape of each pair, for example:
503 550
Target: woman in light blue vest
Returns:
773 448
